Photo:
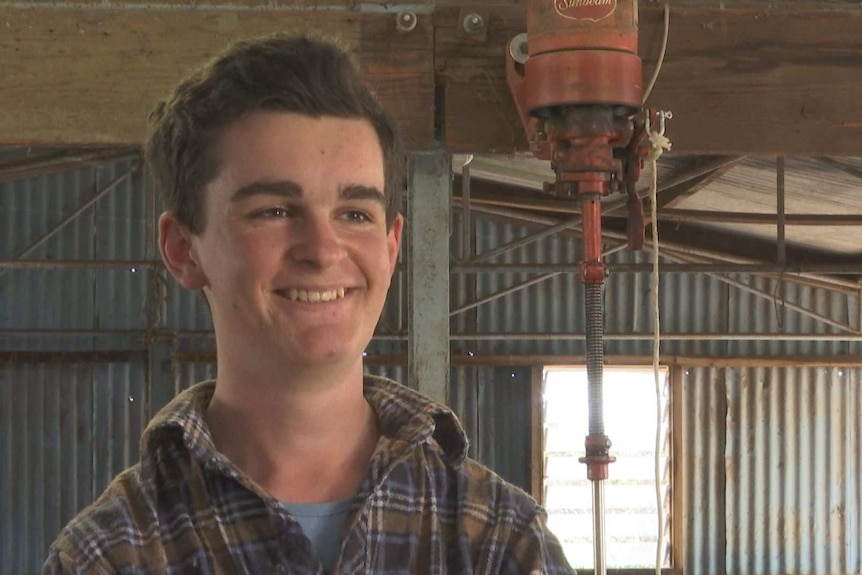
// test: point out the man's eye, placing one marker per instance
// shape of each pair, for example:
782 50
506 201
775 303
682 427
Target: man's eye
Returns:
357 216
274 212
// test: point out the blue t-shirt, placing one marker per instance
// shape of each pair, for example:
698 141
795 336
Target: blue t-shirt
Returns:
322 523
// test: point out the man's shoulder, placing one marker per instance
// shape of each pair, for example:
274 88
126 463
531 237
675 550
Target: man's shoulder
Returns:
500 524
504 500
468 489
121 517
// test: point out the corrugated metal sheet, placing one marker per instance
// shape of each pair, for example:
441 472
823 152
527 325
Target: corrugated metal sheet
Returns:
65 431
773 475
81 423
74 299
689 303
811 187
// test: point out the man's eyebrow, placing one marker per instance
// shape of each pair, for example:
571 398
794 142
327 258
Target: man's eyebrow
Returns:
358 192
292 190
285 188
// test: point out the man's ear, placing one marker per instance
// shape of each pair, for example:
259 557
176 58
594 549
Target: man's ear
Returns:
393 241
175 243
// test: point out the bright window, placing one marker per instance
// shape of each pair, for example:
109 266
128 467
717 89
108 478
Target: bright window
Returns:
631 517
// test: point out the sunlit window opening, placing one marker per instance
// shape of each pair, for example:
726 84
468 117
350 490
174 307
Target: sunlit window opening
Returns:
631 519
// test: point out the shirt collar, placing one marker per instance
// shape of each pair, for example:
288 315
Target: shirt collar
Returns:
406 418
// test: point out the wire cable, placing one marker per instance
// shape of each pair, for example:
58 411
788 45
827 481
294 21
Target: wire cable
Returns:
661 53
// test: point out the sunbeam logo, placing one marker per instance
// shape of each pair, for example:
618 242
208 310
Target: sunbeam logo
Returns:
593 10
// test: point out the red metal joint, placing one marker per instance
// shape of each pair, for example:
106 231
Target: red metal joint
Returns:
597 458
593 272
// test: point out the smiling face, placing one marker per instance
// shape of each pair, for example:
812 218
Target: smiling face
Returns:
296 258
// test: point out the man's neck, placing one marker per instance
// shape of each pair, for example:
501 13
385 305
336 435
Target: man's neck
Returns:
303 439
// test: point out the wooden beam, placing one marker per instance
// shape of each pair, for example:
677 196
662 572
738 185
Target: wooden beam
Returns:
759 218
399 67
751 80
537 434
90 76
719 362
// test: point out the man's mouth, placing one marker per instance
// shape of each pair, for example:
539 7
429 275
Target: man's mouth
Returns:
313 296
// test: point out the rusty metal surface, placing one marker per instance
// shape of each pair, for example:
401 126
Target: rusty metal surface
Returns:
772 472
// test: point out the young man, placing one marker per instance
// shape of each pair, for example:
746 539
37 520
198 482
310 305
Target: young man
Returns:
281 175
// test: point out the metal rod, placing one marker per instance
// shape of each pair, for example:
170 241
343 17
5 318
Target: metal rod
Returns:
468 246
848 361
106 356
533 336
617 248
758 268
838 269
599 526
499 294
79 264
833 283
683 215
790 305
60 162
573 223
809 278
466 217
85 332
695 336
782 219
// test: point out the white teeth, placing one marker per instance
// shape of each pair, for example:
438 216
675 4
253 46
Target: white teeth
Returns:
308 296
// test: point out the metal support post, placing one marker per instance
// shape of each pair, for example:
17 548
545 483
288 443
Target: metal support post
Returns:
428 221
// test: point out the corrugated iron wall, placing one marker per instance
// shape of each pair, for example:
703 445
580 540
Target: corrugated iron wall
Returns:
65 430
773 480
755 440
689 303
82 300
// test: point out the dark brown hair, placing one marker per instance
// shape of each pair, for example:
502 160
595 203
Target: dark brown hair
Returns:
296 74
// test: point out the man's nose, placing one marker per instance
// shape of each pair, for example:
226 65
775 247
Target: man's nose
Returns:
317 241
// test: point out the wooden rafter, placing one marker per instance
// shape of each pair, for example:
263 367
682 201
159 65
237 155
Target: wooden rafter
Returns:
746 79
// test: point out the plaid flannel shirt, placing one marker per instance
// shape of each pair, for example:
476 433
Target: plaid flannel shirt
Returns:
422 508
